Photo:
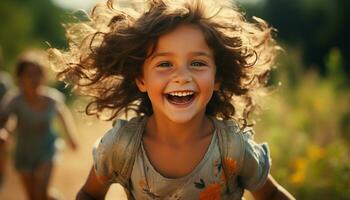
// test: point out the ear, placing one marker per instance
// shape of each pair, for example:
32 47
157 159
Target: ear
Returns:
140 82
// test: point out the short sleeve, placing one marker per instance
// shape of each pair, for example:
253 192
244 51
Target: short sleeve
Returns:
256 163
102 152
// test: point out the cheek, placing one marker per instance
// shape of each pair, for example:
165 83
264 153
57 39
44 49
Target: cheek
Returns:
155 79
207 80
154 86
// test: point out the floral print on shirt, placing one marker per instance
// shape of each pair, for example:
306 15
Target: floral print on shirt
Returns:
213 191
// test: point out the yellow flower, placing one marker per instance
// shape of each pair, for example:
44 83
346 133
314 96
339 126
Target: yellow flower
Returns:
298 177
315 152
299 166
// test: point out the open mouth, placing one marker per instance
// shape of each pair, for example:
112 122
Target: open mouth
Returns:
180 98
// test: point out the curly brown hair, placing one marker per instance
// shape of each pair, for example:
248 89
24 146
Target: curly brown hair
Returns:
107 53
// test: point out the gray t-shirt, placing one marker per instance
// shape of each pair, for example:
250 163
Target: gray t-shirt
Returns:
206 181
206 177
35 138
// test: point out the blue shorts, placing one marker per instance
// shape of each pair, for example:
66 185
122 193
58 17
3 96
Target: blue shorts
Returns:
29 160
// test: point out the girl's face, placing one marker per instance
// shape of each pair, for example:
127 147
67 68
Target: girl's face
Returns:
30 79
179 77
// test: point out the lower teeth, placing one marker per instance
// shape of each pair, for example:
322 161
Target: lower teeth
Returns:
180 100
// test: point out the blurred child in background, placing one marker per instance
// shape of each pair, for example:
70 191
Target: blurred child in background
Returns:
35 106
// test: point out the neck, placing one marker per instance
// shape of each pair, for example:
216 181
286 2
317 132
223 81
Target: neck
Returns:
166 131
31 95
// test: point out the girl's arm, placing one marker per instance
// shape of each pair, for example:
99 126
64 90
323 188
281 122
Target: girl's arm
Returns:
7 123
95 187
68 124
271 190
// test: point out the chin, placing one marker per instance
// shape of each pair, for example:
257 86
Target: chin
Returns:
181 118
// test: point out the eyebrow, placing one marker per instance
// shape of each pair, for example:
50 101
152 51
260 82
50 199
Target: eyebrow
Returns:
197 53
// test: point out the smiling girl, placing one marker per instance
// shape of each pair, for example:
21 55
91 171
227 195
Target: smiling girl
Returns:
189 71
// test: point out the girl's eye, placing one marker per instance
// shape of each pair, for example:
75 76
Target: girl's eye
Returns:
198 64
164 64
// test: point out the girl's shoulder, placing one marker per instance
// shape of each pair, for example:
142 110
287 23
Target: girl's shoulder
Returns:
250 160
231 128
109 138
122 131
52 94
115 152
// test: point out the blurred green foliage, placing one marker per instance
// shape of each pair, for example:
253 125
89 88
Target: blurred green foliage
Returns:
26 24
307 118
314 26
306 123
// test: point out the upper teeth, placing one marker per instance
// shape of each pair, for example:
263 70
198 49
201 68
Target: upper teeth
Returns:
181 94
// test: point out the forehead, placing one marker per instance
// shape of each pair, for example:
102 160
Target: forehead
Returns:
185 38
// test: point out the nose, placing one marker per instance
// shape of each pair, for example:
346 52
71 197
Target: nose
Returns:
182 75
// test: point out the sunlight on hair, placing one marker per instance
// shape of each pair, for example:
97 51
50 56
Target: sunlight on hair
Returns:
107 48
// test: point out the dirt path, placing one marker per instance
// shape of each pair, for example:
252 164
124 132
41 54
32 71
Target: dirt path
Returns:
71 170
